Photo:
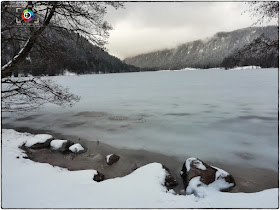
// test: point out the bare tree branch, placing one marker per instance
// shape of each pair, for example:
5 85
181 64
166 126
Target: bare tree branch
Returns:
31 93
8 67
79 19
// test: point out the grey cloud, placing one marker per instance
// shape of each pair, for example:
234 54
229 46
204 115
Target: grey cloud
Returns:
148 26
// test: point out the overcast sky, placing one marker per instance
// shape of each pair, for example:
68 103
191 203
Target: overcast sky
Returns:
148 26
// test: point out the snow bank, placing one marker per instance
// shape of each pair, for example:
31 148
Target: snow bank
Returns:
193 185
187 69
56 144
27 184
216 68
246 67
68 73
202 190
39 138
76 148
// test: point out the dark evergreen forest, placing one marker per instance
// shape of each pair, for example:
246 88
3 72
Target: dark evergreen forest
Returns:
60 50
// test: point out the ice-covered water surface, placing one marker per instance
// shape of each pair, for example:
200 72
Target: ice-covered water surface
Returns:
215 115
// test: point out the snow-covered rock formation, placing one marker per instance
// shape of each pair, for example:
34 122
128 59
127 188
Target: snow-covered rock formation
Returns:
198 175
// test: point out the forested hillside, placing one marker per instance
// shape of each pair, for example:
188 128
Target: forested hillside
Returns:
211 52
60 50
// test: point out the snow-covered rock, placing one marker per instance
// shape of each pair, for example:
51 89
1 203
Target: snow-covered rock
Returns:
39 141
76 148
56 144
60 145
169 181
196 163
197 174
98 177
112 158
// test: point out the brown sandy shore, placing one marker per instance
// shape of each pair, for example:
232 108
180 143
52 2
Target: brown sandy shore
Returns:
247 179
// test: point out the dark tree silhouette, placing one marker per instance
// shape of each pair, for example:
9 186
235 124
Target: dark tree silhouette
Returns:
83 18
264 50
264 11
27 94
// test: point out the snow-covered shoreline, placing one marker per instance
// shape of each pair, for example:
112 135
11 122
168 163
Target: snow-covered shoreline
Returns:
27 184
215 68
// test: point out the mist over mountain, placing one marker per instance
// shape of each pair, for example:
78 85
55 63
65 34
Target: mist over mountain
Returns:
210 52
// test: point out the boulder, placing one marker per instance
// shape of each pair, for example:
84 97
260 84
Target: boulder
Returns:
43 145
111 159
39 141
65 146
196 173
169 182
98 177
76 148
61 145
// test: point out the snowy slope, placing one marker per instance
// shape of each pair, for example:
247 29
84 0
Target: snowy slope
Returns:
202 53
26 184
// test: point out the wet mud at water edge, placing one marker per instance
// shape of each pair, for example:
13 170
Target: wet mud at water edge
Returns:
247 179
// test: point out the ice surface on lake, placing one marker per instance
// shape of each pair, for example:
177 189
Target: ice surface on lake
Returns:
216 115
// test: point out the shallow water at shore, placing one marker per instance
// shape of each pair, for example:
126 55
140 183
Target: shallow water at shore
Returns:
247 179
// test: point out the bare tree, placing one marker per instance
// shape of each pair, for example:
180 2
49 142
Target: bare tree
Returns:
263 46
28 94
83 18
264 11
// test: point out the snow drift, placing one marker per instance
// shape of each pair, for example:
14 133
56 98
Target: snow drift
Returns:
27 184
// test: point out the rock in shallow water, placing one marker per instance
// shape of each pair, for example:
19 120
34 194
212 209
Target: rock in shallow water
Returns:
98 177
46 144
39 141
61 145
77 148
196 174
111 159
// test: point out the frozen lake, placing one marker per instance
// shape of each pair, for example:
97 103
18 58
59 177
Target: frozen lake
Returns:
216 115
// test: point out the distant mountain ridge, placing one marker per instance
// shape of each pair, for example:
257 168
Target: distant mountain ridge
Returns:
203 53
